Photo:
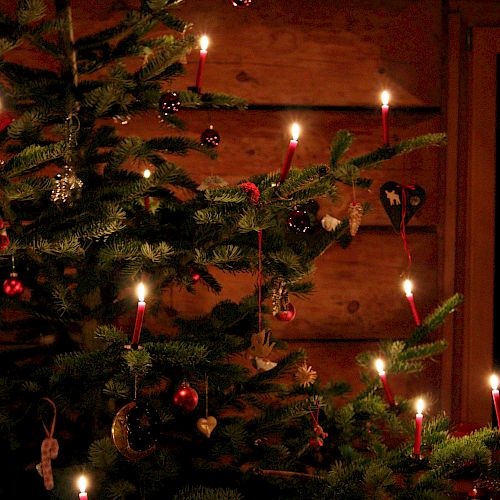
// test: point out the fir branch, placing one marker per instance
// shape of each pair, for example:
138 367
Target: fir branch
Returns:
103 454
29 189
340 145
29 11
31 157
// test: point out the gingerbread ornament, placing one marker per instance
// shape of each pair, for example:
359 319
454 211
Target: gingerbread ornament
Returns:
49 450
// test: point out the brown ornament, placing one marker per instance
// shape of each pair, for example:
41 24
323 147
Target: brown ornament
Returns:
305 375
261 344
355 215
206 425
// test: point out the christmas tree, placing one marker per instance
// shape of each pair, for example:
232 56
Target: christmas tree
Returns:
87 213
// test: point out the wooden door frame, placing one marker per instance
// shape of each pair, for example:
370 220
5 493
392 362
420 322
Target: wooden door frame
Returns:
469 220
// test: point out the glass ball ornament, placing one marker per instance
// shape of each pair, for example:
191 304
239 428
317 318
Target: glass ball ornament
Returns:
210 137
13 286
299 222
185 397
169 104
241 3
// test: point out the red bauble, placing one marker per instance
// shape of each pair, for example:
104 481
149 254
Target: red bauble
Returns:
287 315
12 286
5 120
210 137
185 397
196 277
241 3
169 104
299 221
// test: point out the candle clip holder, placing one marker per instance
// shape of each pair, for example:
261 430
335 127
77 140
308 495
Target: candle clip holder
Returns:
133 347
195 89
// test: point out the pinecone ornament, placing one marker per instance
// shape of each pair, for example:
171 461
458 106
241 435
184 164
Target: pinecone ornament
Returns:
355 216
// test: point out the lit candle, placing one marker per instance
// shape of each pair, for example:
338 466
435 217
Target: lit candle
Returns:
385 116
141 305
418 427
409 295
379 365
292 146
82 484
201 63
496 396
147 175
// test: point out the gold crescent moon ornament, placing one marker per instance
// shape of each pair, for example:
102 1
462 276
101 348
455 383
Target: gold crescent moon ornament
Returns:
134 430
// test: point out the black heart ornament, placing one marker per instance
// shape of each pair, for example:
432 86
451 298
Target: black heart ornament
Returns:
397 198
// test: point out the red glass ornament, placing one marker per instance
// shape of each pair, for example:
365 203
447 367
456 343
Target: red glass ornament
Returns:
169 104
185 397
299 221
286 315
241 3
210 137
13 286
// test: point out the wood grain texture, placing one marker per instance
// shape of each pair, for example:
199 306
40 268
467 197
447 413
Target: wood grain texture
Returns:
255 142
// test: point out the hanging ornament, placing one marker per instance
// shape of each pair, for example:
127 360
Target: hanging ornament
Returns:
283 310
264 364
252 191
49 451
169 104
206 425
355 215
12 286
67 185
241 3
4 237
185 397
401 202
299 221
261 349
210 137
135 429
305 375
320 434
195 277
5 120
329 223
212 182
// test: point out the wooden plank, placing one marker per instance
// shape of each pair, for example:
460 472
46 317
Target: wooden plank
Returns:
321 52
255 142
358 291
302 51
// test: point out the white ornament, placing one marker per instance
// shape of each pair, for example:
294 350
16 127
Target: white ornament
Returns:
329 223
264 364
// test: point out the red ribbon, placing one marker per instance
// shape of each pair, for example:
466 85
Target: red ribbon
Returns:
402 226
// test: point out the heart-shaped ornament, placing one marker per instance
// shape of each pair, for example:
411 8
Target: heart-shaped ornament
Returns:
206 425
397 198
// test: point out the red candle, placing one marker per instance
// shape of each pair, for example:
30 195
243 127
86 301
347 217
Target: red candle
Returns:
496 396
418 427
141 305
385 116
409 295
201 63
379 365
147 175
82 484
292 146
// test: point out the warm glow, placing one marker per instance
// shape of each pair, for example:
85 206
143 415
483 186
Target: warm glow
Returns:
407 285
420 406
494 382
295 131
82 484
204 42
141 292
385 98
379 365
147 173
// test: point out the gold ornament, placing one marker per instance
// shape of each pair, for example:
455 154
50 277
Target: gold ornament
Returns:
206 425
305 375
119 433
355 215
261 346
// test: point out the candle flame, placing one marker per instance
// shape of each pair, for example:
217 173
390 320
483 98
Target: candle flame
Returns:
407 285
204 42
385 98
295 131
147 173
494 382
379 365
141 292
420 405
82 484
